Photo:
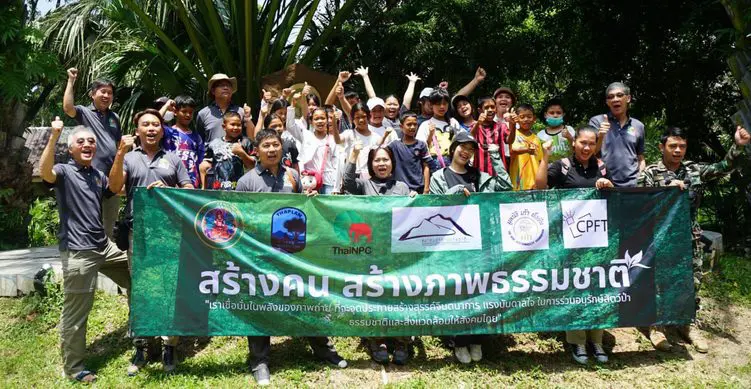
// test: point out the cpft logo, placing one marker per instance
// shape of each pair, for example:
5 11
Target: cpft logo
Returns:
585 223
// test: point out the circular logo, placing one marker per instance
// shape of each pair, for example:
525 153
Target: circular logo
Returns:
526 230
219 224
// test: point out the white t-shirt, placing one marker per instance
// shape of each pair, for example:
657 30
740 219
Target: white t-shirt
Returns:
561 146
350 137
443 131
381 131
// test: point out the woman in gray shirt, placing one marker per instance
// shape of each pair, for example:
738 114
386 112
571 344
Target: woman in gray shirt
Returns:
381 179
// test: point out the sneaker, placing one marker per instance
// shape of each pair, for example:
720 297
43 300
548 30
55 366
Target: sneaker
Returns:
658 339
692 335
462 354
579 353
401 355
380 354
168 359
137 362
475 352
599 352
335 359
261 375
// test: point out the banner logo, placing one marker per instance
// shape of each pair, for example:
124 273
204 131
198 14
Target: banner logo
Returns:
353 234
218 224
524 226
288 230
585 223
452 228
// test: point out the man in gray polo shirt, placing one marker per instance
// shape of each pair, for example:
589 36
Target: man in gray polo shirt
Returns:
270 175
106 126
149 166
620 138
85 250
210 118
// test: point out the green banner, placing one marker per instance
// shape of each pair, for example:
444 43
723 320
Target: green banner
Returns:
226 263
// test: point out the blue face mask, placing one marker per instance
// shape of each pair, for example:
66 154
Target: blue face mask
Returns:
554 122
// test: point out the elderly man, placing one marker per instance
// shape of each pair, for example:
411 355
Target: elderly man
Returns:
673 170
105 125
149 166
209 119
80 190
621 137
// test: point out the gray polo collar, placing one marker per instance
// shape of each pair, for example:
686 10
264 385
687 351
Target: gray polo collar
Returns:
261 170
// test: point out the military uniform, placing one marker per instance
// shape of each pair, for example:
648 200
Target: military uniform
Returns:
695 176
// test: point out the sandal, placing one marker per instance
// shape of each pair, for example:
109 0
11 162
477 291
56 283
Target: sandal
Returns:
85 376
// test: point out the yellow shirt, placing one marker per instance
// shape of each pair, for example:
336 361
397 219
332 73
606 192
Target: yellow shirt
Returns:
524 166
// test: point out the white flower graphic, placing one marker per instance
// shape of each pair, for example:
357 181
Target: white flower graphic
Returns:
630 261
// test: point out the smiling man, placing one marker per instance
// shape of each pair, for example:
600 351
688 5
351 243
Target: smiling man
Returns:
80 189
105 125
210 118
621 137
673 170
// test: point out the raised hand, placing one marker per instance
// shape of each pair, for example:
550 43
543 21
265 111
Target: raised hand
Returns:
532 147
444 85
339 90
511 116
72 74
480 74
358 147
547 147
306 89
482 117
57 126
247 112
604 126
344 76
287 92
413 77
388 132
126 142
361 71
266 95
741 136
431 130
567 135
237 149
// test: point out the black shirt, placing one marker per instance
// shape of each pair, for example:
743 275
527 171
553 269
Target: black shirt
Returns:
578 176
467 180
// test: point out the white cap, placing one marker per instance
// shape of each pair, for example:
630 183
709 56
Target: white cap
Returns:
425 92
374 102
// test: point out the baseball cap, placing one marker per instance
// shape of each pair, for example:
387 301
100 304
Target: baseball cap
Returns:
425 92
374 102
460 138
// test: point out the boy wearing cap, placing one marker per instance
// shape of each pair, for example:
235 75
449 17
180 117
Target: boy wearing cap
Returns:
209 119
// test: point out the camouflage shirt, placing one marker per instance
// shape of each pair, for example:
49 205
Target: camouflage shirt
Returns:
694 175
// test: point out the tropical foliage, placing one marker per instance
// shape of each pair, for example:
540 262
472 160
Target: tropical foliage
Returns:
151 48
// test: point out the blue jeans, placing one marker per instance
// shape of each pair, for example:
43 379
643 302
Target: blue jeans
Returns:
326 189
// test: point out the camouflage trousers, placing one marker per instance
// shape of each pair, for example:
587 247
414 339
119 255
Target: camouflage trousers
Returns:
696 265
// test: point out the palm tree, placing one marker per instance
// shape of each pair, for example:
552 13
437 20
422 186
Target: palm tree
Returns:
151 47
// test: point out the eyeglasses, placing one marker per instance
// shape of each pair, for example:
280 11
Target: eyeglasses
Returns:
618 95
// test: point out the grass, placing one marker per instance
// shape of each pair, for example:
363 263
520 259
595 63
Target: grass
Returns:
29 353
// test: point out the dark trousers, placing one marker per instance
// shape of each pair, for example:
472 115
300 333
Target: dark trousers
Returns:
260 348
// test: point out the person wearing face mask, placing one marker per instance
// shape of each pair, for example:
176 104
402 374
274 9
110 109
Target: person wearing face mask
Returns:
561 135
149 166
460 178
583 170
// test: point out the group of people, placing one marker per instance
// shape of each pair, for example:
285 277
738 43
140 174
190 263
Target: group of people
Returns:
447 145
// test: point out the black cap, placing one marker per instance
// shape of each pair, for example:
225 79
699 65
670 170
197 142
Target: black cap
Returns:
460 138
